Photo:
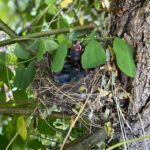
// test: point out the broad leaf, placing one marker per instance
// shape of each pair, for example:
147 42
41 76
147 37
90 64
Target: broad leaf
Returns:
5 74
28 76
50 45
20 95
4 142
124 56
19 76
97 5
2 94
11 130
20 52
2 57
89 37
31 72
50 2
21 125
44 128
52 10
40 51
35 144
34 45
61 38
65 3
59 57
81 20
62 23
94 55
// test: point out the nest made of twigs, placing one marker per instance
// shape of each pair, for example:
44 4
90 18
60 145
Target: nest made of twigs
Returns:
69 97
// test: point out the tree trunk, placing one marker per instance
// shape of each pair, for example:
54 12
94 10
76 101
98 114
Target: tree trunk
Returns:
130 19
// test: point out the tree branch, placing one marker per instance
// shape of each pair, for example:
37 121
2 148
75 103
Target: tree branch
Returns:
7 29
45 33
4 27
88 141
28 111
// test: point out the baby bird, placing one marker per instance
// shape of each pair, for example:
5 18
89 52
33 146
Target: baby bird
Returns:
62 78
64 75
76 51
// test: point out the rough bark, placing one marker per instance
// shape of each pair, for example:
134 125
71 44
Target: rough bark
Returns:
130 19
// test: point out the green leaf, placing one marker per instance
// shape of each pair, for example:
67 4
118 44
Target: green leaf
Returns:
50 2
89 37
35 144
97 4
52 10
24 83
21 125
60 38
59 57
20 52
10 130
19 143
31 72
5 74
62 23
94 55
19 76
50 45
2 94
72 35
44 128
71 14
2 57
34 45
20 95
40 51
124 57
28 76
4 142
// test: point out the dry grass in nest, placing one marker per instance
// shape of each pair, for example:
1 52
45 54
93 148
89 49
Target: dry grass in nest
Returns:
97 88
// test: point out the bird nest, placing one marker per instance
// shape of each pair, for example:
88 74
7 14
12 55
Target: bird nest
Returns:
98 86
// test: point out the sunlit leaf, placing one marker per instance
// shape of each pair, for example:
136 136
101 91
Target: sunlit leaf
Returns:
52 10
94 55
97 4
65 3
60 38
81 20
21 125
48 2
